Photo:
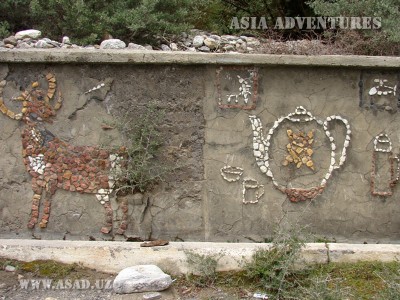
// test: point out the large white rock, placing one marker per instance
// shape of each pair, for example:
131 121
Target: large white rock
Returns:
211 43
198 41
112 44
30 33
142 278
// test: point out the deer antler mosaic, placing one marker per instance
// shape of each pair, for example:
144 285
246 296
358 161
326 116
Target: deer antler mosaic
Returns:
55 164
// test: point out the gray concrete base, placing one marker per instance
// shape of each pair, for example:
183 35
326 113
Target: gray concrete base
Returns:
114 256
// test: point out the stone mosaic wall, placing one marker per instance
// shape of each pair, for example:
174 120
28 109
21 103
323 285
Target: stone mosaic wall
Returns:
320 150
77 150
255 147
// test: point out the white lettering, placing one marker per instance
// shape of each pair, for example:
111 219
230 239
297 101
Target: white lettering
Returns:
300 22
234 23
279 23
262 24
244 22
289 23
321 23
376 23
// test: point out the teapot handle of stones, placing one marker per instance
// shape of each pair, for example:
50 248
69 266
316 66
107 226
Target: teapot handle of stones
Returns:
397 172
346 143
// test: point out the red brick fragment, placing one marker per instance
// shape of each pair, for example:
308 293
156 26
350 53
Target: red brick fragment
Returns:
105 230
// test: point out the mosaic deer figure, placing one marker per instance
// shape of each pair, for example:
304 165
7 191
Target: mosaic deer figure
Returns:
55 164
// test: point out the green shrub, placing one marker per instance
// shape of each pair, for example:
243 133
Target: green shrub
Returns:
385 41
325 288
143 143
391 281
89 21
272 268
269 9
387 10
211 15
203 268
14 16
4 29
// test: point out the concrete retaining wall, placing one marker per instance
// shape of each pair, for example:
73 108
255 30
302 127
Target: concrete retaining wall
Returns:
226 188
113 257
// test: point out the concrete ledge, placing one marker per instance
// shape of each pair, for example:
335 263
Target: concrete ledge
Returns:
126 56
114 256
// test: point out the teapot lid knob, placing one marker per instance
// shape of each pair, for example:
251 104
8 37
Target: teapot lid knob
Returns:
300 110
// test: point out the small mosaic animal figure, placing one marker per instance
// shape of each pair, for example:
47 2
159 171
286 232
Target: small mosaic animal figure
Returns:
55 164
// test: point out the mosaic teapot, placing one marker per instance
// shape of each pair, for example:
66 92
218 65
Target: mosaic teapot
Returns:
299 150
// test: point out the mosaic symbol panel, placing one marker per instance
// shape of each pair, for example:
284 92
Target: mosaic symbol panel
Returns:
237 87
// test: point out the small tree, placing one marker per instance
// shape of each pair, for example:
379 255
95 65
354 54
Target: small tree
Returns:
387 10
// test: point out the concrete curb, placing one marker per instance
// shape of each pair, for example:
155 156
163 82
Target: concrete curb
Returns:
114 256
126 56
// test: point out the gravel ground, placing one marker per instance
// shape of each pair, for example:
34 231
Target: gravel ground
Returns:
10 288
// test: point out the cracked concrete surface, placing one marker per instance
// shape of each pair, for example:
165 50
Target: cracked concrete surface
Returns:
345 211
195 203
163 212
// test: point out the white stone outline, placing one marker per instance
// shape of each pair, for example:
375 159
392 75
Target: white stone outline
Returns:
95 88
263 159
103 195
231 170
250 183
389 89
382 138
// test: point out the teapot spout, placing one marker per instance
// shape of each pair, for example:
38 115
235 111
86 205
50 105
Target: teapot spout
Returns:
255 125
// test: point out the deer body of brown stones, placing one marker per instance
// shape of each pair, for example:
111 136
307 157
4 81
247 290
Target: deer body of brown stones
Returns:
55 164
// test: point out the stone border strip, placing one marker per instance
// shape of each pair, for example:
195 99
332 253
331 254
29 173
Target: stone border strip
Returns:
187 58
112 257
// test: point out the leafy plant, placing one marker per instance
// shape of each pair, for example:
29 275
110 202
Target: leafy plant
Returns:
4 29
387 10
89 21
143 168
325 288
14 16
272 268
391 281
203 268
385 41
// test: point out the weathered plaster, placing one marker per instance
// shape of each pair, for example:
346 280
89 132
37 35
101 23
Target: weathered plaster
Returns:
196 203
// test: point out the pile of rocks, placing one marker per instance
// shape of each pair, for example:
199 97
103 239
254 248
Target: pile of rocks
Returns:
195 41
205 42
31 38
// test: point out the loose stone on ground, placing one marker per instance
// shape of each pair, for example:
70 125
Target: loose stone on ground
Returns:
142 278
